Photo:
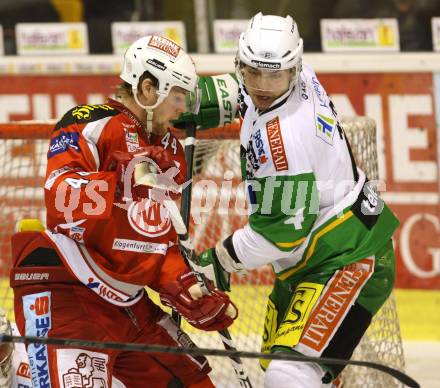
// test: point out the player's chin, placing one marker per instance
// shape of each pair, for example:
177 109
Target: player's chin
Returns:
262 102
163 128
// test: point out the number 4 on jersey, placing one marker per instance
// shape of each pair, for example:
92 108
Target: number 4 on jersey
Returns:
166 142
297 219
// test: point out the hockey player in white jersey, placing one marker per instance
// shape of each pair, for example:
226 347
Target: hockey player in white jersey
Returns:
315 217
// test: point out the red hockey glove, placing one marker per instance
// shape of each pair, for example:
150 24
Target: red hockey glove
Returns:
209 312
148 172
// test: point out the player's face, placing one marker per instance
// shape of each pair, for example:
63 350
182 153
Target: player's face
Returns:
170 109
265 86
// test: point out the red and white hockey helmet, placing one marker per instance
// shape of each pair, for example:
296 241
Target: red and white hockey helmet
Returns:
270 43
166 61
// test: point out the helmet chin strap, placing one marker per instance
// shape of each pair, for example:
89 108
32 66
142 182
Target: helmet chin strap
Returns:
148 109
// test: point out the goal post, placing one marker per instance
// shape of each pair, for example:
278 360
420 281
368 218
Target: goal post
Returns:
218 208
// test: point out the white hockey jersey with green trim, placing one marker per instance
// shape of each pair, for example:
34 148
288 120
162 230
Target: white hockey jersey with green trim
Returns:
310 204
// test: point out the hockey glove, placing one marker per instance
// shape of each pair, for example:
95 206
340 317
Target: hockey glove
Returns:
148 171
209 312
209 266
217 264
218 104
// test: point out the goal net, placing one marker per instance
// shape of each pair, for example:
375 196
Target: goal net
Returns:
218 208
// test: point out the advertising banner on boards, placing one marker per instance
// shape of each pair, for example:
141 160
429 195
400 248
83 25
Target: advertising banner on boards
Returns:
125 33
405 107
359 35
51 38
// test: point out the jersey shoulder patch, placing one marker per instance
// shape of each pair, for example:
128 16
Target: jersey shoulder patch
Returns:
83 114
325 117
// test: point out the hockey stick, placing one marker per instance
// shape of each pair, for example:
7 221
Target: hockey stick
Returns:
180 221
402 377
185 206
189 255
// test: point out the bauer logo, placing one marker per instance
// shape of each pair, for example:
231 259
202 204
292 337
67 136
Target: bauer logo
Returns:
63 142
276 144
165 45
267 65
35 276
37 314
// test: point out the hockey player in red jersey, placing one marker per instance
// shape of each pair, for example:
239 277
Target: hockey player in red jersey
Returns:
107 237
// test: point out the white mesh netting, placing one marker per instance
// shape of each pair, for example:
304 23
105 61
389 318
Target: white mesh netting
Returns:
218 208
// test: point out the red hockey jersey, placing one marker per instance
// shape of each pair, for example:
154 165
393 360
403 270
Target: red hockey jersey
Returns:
114 248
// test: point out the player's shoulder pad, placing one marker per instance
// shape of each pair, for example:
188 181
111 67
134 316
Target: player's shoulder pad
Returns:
83 114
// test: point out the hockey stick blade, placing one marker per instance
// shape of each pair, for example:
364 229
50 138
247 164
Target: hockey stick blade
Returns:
402 377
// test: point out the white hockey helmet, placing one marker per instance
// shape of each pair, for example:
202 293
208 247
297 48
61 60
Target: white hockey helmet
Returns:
166 61
271 43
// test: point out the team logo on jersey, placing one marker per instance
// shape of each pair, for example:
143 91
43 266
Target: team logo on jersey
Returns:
325 128
262 158
63 142
104 291
255 154
23 370
163 44
320 93
303 91
149 218
132 140
83 112
77 233
80 368
276 144
368 206
37 313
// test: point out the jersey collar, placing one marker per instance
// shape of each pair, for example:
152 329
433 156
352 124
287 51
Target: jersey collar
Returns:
278 102
140 127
